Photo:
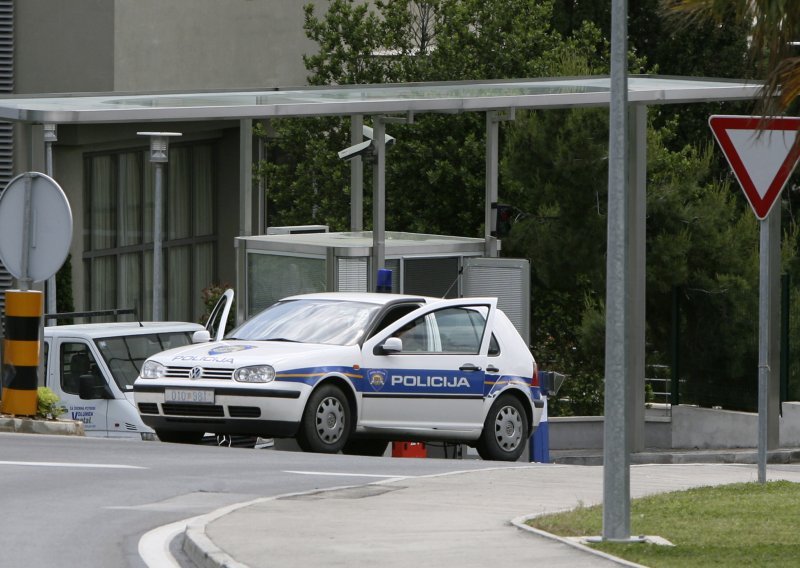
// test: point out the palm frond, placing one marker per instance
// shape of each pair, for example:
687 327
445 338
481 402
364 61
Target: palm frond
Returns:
774 27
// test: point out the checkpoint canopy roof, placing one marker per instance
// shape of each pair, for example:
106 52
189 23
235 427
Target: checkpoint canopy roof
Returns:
366 99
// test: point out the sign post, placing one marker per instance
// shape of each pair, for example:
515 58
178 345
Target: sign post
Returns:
762 153
35 235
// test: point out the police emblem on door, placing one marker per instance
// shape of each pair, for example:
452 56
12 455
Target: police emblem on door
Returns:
377 379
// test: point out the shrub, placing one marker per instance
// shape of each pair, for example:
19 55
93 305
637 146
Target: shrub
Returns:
49 404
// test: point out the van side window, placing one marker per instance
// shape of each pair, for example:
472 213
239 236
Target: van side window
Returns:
76 361
43 378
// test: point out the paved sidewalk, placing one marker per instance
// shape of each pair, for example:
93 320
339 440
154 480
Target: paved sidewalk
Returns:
461 520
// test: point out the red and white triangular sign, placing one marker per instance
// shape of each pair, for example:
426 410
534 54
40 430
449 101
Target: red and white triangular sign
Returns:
762 153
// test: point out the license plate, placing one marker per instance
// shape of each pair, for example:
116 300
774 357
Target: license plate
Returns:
192 396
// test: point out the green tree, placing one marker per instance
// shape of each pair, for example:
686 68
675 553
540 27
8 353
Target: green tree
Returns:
435 173
704 49
774 29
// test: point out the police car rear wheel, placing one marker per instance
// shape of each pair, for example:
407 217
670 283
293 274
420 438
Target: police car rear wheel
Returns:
326 421
504 431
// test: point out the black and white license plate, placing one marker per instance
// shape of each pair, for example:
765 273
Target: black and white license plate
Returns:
190 396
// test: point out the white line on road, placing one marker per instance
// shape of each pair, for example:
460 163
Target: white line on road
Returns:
335 474
64 464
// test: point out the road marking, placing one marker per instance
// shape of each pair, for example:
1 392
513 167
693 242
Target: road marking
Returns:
334 474
65 464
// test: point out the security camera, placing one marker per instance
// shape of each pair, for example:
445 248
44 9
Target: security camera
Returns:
354 151
388 140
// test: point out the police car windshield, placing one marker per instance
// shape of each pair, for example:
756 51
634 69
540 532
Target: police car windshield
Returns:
331 322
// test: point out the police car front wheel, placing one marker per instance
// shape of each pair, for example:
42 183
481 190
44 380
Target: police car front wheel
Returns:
325 426
504 431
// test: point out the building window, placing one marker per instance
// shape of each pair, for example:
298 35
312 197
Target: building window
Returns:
118 230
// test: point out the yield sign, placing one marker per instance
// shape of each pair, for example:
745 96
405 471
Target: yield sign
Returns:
762 153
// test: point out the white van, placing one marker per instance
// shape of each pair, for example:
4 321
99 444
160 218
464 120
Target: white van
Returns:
92 367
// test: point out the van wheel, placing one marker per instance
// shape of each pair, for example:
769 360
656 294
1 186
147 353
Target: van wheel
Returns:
325 426
177 437
504 431
365 447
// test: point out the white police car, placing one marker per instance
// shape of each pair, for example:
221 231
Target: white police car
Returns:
350 372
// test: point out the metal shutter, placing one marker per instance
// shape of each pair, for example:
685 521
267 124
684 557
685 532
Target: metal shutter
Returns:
436 277
351 274
6 129
507 279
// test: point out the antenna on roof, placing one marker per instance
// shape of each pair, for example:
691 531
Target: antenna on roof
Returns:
460 272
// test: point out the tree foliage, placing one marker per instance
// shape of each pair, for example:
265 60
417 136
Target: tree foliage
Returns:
774 29
435 173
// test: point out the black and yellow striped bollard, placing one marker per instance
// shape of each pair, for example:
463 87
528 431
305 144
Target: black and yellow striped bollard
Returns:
21 349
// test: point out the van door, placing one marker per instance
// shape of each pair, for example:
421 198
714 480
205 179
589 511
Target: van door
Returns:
217 323
75 359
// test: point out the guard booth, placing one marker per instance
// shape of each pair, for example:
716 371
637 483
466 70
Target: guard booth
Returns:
271 267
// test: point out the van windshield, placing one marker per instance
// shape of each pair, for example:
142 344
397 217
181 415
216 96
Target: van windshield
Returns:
331 322
125 355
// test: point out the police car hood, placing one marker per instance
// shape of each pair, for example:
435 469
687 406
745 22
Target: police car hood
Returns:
242 353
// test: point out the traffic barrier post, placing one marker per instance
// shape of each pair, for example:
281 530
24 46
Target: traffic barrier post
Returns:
21 349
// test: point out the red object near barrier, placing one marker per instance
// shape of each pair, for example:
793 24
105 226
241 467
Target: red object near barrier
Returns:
409 450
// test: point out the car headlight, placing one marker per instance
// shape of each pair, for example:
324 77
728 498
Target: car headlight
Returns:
153 370
256 374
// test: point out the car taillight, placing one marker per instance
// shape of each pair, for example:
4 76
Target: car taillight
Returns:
535 378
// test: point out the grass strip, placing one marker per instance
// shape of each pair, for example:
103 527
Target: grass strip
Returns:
745 524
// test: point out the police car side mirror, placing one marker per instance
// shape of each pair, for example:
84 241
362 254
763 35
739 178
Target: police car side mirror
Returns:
201 336
391 346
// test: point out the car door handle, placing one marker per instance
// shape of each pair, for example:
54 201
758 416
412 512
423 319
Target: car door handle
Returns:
492 369
469 367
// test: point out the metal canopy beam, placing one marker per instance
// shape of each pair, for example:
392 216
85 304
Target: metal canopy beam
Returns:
366 99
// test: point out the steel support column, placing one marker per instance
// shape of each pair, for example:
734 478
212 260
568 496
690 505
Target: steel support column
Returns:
378 201
492 135
246 177
616 457
356 176
637 213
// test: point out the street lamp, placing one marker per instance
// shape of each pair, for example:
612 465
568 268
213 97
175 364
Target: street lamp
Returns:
50 135
159 155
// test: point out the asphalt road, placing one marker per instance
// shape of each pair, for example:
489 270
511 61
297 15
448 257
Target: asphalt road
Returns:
73 501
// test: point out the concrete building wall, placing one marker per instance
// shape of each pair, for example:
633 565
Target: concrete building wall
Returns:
64 46
209 44
151 45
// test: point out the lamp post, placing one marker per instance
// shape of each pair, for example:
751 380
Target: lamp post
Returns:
50 135
159 155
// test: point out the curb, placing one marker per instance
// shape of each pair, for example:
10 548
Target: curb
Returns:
36 426
520 523
202 551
